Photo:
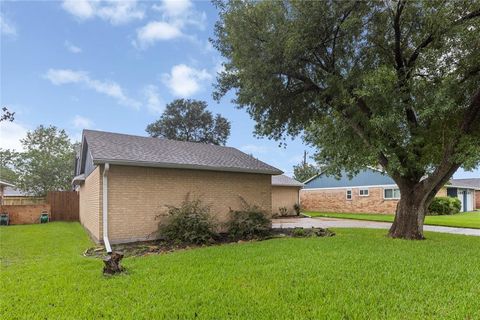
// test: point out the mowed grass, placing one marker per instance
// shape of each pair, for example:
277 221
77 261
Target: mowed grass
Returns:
462 220
358 274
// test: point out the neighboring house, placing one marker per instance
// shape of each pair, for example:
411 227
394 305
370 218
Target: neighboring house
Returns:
126 182
468 184
3 186
13 196
285 194
370 191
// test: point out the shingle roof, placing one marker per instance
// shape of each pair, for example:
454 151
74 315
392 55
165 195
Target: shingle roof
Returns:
283 180
471 183
126 149
13 192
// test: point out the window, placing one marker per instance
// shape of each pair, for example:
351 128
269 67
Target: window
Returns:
349 194
393 193
363 192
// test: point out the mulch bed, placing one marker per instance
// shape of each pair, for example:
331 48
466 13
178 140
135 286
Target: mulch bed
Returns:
145 248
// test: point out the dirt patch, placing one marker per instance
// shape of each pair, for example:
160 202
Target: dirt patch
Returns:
145 248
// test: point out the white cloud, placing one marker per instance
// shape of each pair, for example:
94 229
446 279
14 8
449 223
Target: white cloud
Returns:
6 27
174 8
154 102
176 16
116 12
82 9
184 81
80 122
107 87
156 31
10 135
72 48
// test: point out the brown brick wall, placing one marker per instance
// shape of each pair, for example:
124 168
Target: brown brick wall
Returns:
90 194
334 200
138 194
25 214
284 197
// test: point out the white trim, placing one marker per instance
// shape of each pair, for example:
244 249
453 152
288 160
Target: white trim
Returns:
351 194
363 189
105 208
393 193
354 187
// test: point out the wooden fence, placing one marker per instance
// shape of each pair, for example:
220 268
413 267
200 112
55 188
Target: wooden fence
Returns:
64 205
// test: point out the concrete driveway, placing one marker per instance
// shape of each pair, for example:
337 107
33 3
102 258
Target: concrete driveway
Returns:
349 223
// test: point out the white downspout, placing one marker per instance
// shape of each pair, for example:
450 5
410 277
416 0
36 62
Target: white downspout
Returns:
105 209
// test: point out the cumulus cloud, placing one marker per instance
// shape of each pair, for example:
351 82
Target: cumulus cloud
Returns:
107 87
156 31
10 135
72 48
80 122
175 17
184 81
6 27
154 102
115 12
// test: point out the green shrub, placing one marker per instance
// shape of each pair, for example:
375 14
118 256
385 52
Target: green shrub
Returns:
191 223
297 209
299 233
444 206
283 211
251 222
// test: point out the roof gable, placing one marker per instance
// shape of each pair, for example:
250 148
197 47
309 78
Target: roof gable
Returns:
367 177
123 149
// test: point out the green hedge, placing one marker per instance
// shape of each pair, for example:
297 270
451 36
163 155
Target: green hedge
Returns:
444 206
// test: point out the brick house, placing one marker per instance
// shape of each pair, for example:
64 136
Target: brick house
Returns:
469 183
285 194
370 191
125 182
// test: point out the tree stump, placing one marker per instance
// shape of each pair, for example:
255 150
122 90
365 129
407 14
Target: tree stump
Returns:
112 263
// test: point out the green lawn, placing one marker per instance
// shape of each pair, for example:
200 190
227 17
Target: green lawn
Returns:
358 274
462 220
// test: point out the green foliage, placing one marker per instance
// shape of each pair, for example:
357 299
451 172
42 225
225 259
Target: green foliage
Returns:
47 162
289 277
444 206
6 165
191 223
7 115
297 208
251 222
304 171
189 120
311 232
365 82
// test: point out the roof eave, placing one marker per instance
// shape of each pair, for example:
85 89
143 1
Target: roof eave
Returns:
185 166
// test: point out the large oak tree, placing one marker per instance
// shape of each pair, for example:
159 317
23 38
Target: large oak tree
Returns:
395 83
189 120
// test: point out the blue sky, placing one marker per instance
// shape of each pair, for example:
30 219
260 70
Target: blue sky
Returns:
113 66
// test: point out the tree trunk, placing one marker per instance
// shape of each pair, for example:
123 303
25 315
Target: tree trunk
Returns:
112 263
409 216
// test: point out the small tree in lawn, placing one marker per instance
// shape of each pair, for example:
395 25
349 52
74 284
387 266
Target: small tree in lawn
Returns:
47 162
393 83
189 120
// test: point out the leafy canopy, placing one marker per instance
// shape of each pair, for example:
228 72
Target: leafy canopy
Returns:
47 162
304 171
389 82
189 120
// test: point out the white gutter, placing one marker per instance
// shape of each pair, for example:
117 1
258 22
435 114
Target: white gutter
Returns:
105 209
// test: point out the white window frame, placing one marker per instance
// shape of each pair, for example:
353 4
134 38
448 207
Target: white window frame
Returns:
393 194
365 194
347 196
